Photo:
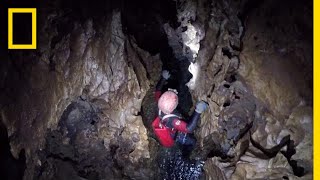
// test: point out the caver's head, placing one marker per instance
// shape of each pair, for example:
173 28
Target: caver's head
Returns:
168 102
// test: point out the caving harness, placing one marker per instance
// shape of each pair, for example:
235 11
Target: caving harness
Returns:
165 135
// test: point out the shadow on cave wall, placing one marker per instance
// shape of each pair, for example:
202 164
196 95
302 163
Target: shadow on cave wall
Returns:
75 151
10 167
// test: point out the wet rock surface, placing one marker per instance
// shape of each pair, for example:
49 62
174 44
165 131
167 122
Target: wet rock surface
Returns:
174 165
81 106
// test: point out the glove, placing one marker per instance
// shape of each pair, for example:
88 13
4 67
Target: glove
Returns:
201 106
165 74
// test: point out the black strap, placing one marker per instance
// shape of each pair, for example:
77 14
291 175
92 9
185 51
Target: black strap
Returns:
163 119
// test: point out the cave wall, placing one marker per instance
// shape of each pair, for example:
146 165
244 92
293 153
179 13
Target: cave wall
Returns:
251 61
276 63
255 64
251 71
90 61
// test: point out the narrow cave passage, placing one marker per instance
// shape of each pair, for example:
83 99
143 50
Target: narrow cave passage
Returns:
144 21
146 27
81 105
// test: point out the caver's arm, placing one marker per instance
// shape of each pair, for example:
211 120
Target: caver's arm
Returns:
182 126
164 77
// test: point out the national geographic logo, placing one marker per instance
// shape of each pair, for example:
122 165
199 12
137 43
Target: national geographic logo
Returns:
22 28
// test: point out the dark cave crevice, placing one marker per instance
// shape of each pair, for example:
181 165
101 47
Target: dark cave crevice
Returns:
226 52
144 21
146 26
227 103
297 169
231 78
288 153
10 167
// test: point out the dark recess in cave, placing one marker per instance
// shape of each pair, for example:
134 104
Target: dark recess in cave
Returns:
144 21
10 168
79 118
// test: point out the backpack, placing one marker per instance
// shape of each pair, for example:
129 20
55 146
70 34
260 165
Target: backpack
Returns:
162 132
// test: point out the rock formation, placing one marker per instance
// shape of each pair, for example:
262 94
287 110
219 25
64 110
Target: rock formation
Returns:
81 105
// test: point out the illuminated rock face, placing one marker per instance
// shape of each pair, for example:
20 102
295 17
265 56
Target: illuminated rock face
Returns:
275 71
86 107
255 81
81 106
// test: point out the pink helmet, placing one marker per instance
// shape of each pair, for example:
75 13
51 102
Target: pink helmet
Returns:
168 102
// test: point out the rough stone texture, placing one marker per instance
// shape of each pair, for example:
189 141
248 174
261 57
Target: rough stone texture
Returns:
185 40
277 65
258 98
90 61
81 106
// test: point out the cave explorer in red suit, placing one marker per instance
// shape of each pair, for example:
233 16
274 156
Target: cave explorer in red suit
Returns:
169 126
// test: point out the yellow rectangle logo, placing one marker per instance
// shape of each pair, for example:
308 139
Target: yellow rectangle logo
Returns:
33 44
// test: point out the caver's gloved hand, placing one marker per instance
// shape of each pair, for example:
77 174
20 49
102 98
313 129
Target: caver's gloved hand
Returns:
201 106
165 74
